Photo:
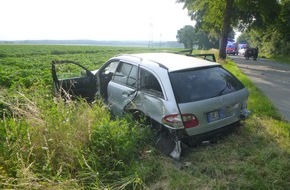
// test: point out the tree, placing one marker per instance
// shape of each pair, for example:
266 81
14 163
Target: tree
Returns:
243 39
186 36
226 26
205 41
272 36
190 36
213 17
220 17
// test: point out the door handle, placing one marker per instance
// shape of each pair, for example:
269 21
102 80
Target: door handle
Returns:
128 94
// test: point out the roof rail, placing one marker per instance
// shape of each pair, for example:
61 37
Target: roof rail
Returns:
141 59
130 55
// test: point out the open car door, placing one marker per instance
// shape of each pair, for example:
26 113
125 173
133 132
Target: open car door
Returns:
71 80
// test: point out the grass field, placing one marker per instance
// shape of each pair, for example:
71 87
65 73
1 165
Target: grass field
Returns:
48 144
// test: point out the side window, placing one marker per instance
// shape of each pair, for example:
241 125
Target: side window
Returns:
132 80
126 74
149 83
106 77
111 67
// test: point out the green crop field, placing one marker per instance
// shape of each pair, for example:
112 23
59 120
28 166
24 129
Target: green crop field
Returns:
46 143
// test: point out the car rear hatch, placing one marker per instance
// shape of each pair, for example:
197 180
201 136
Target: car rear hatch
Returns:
208 98
215 113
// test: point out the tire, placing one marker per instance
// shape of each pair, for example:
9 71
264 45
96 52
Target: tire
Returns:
138 117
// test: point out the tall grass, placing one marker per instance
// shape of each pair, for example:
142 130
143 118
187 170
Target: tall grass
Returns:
57 144
281 58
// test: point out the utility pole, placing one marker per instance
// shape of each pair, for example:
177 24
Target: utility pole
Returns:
150 43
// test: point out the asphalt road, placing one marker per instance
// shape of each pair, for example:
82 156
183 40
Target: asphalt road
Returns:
272 78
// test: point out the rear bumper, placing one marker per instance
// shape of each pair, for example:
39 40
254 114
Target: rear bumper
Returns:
198 139
231 52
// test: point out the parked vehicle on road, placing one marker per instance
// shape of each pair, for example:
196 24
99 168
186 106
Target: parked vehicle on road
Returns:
251 52
187 98
242 49
232 48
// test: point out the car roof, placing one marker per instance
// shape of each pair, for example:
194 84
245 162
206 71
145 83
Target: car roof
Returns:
170 61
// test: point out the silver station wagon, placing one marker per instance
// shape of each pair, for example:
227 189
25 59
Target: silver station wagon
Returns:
188 99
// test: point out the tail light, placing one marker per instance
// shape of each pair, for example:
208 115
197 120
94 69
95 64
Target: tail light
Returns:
180 121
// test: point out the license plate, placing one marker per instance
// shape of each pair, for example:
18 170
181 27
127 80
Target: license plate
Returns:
213 116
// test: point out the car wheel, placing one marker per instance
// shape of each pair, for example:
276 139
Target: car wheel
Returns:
138 117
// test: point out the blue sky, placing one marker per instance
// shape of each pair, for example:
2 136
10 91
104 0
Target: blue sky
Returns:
156 20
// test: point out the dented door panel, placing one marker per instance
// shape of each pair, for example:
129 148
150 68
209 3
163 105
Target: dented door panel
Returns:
119 97
149 105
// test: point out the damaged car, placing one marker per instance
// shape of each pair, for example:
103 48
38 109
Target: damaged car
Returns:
186 98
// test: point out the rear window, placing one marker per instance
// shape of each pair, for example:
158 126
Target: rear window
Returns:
194 85
149 83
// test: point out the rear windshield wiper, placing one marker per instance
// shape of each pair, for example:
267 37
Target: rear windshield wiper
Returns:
228 86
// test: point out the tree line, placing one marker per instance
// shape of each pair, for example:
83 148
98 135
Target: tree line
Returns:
263 23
